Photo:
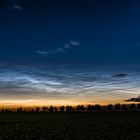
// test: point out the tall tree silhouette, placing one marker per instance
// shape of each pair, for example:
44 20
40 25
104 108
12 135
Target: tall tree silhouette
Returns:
51 109
110 107
37 109
69 108
124 107
138 106
90 108
117 107
132 107
55 109
80 108
97 107
44 109
20 109
62 108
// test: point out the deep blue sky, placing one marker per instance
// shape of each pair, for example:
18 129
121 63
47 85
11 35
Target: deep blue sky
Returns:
107 30
66 51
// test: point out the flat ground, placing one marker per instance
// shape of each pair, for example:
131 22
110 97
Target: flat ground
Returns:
70 126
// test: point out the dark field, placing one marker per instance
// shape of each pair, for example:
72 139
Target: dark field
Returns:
70 126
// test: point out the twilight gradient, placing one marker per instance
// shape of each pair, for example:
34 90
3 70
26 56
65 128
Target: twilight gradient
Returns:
68 85
66 51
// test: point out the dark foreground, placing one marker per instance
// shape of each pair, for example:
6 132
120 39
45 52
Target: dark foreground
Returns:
70 126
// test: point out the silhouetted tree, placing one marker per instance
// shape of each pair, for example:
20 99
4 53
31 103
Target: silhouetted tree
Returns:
138 106
6 110
110 107
97 107
44 109
37 109
51 109
124 107
117 107
80 108
19 109
90 108
55 109
62 108
69 108
2 110
132 106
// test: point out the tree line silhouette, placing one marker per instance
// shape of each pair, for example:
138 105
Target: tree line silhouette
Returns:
79 108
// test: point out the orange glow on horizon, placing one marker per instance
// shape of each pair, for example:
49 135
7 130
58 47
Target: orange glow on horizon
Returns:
55 102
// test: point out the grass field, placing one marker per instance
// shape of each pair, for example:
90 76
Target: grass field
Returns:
70 126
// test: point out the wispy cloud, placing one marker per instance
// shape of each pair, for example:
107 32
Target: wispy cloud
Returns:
41 52
40 82
74 43
64 49
14 5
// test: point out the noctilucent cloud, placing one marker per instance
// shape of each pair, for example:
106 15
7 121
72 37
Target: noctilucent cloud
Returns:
67 51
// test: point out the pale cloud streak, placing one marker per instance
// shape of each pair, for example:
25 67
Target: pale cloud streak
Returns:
66 84
14 5
64 49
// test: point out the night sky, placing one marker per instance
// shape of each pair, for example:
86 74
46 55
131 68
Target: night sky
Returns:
66 51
